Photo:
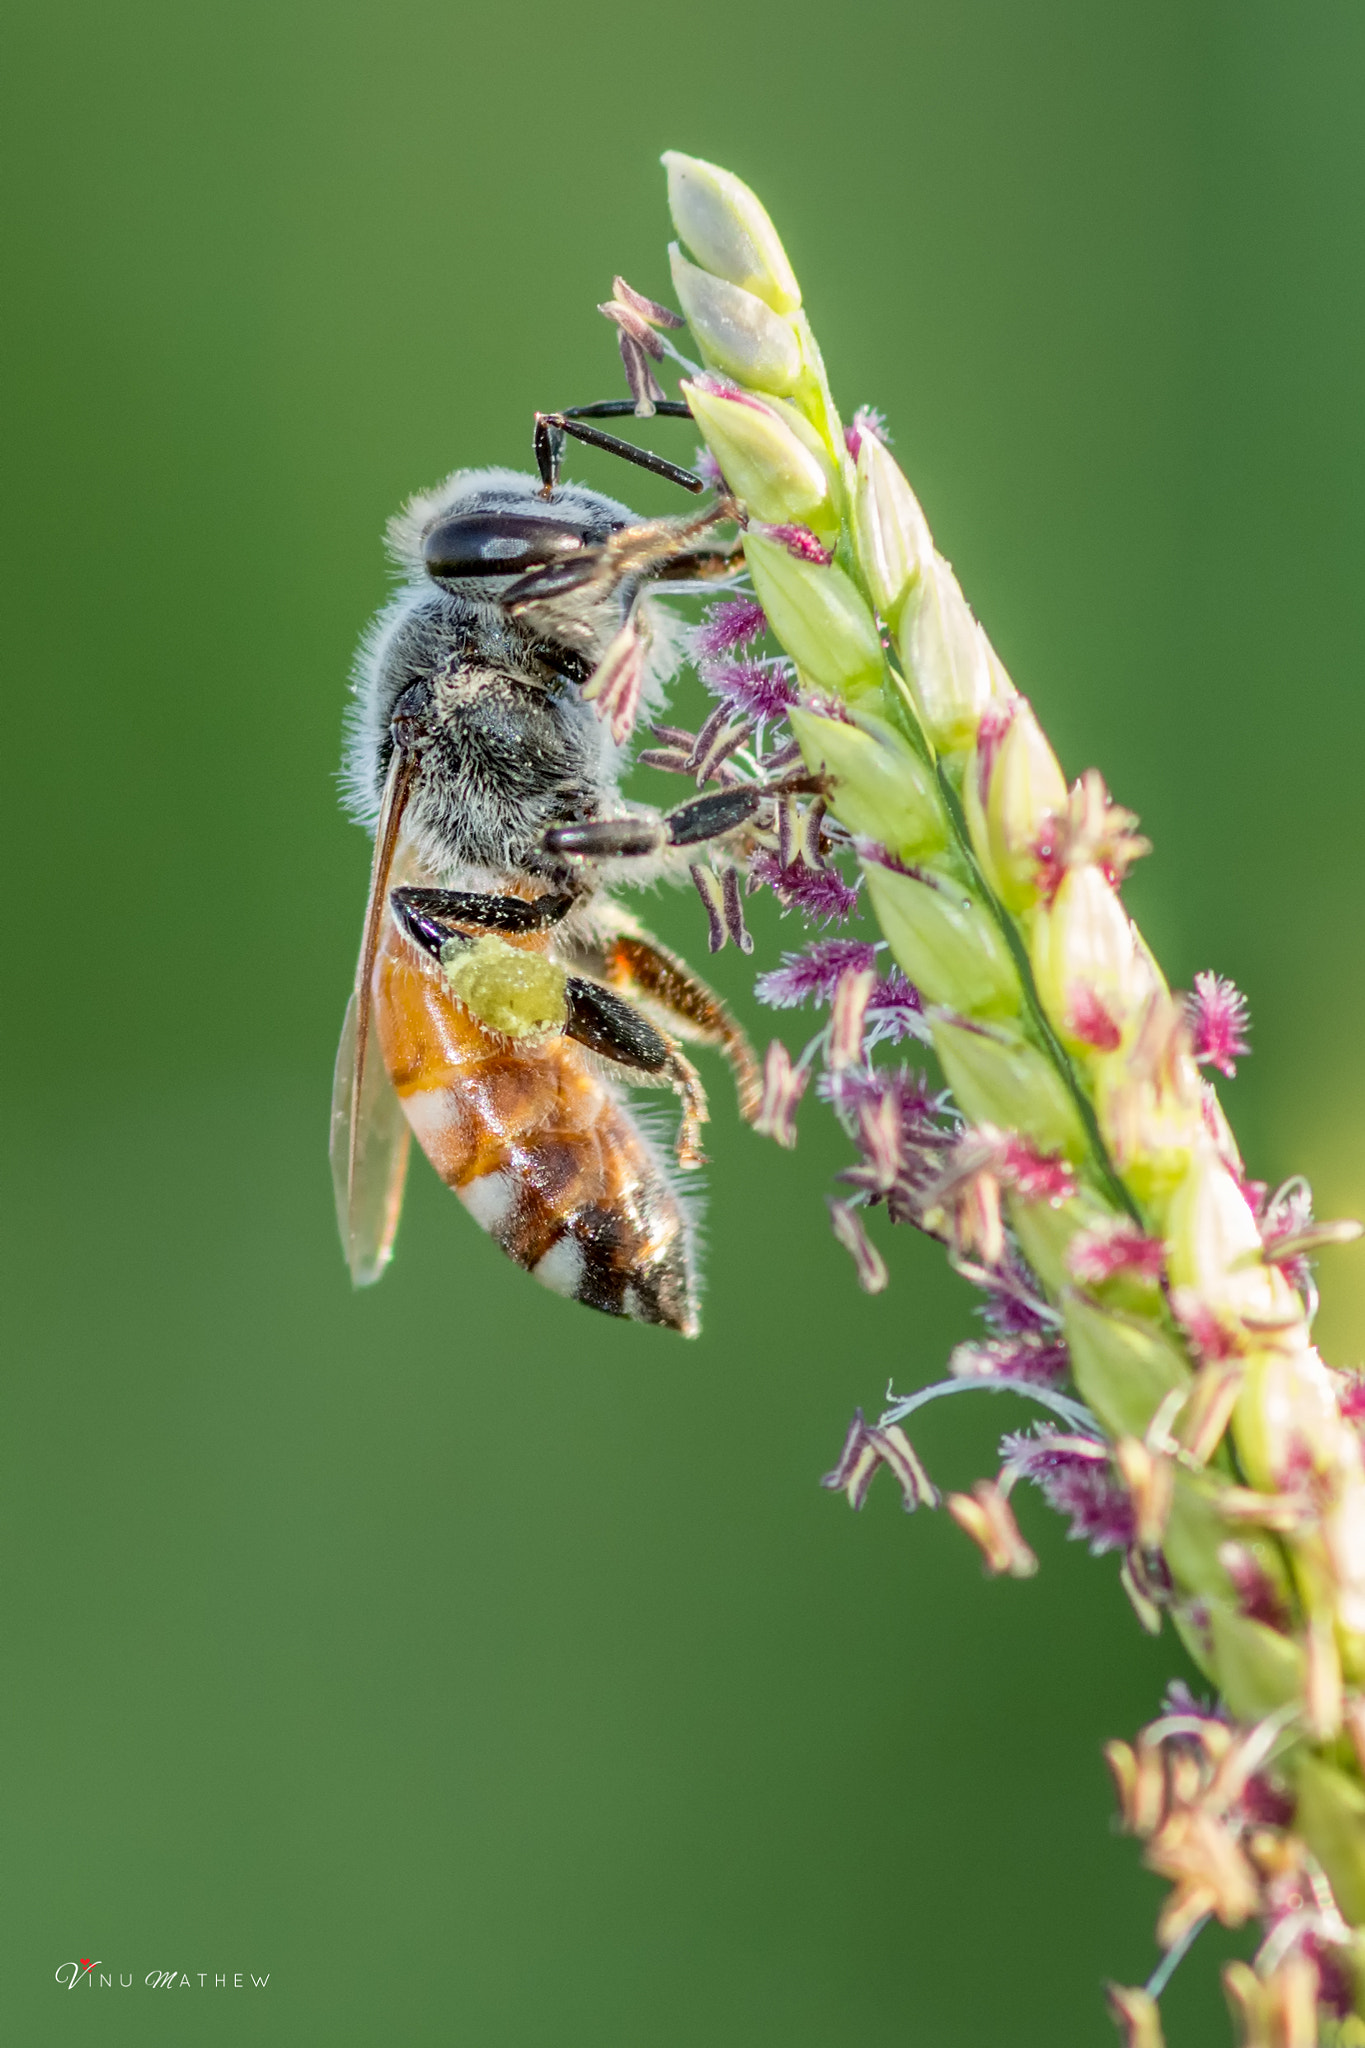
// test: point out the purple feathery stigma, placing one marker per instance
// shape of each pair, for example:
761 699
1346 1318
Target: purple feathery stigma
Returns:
1037 1176
813 975
1351 1396
866 420
1014 1306
759 689
821 894
1074 1476
799 541
895 1011
1218 1020
1258 1597
1035 1361
708 469
728 626
1116 1246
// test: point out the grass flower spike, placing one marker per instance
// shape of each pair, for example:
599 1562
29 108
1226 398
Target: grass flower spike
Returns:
1071 1155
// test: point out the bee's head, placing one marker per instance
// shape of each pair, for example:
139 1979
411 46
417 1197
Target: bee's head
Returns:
486 526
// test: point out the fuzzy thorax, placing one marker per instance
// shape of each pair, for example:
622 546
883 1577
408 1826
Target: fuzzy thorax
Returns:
521 995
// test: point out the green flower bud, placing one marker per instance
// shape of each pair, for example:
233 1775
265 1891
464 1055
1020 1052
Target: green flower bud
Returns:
890 532
1331 1818
765 464
1124 1365
1289 1406
999 1078
1009 790
1258 1670
1093 975
944 652
728 231
734 330
883 790
818 615
1150 1109
947 943
1215 1247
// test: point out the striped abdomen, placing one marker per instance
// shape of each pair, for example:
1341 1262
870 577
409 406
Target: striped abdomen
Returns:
539 1149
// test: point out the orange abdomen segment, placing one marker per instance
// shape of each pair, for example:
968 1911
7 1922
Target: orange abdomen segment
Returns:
537 1146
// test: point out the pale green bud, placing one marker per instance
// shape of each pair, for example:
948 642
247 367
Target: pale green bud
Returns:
734 330
1124 1365
1258 1670
999 1078
1011 787
948 944
1148 1101
1093 976
818 615
1214 1247
773 470
945 657
882 789
1289 1405
728 230
890 532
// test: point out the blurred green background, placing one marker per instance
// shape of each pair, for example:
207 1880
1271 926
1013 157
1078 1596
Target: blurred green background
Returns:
482 1670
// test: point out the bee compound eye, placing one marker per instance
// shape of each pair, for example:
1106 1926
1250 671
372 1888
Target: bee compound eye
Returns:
497 544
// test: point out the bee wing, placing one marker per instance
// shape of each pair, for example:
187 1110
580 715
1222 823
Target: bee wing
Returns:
369 1156
369 1144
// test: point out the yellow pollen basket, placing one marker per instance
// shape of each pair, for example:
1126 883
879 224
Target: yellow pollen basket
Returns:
521 995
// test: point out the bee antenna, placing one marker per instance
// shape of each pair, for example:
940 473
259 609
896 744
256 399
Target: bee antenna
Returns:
551 428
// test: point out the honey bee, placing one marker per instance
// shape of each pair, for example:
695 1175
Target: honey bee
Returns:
503 998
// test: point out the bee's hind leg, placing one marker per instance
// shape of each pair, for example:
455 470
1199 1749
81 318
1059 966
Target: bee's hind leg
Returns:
635 962
600 1020
595 1016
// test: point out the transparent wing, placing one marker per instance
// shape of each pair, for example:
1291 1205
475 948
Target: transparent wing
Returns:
369 1156
369 1144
